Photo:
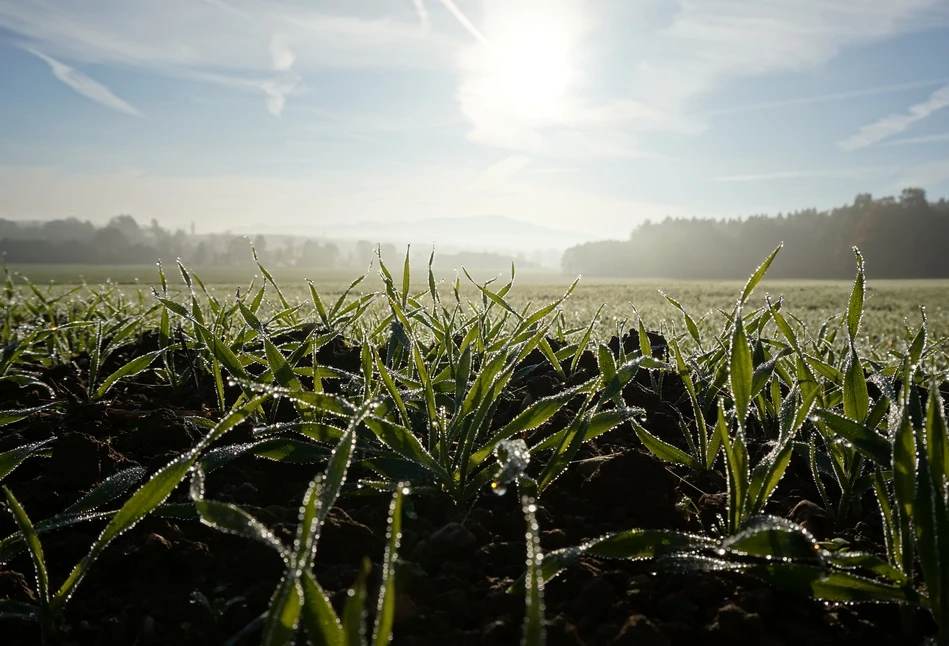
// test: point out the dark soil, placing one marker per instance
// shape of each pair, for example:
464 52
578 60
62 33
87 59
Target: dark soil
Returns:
455 564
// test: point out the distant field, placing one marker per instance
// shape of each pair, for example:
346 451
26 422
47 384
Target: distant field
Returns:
889 302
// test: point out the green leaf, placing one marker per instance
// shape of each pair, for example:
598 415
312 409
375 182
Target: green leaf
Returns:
904 486
584 340
635 544
757 276
689 322
354 612
108 490
251 319
736 460
867 441
283 613
664 451
401 440
228 518
222 353
15 415
281 449
130 369
282 371
831 585
318 303
931 516
319 619
856 398
775 538
532 417
14 458
385 608
741 369
937 436
33 544
645 347
533 633
762 375
624 374
406 277
495 298
855 308
766 476
569 443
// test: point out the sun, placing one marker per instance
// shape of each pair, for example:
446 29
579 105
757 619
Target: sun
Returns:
525 61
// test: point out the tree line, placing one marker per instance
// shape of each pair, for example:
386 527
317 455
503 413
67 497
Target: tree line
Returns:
901 237
123 241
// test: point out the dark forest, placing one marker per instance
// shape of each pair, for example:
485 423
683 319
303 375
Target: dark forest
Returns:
901 237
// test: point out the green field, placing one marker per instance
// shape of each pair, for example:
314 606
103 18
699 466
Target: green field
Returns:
890 303
471 452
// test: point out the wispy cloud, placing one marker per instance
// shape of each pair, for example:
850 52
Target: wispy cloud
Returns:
279 87
712 41
463 19
894 124
87 87
225 42
224 37
924 139
827 173
423 17
704 44
828 98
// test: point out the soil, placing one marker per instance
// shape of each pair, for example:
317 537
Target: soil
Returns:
455 563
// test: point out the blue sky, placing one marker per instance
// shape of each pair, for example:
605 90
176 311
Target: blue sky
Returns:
582 115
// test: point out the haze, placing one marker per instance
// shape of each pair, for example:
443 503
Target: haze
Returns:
578 118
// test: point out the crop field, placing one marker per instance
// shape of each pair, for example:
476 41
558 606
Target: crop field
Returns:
891 305
218 458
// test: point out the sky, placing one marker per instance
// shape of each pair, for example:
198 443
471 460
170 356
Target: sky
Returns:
587 116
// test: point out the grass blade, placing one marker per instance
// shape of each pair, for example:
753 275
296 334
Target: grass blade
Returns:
319 619
534 633
867 441
385 608
130 369
757 276
741 369
857 295
33 545
14 458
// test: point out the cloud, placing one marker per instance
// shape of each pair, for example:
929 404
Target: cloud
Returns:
894 124
225 42
283 58
82 84
709 42
467 24
422 12
531 77
559 78
827 98
924 139
236 36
